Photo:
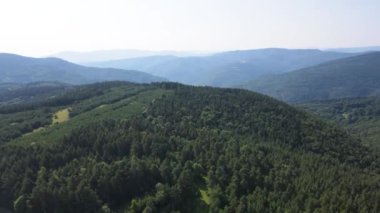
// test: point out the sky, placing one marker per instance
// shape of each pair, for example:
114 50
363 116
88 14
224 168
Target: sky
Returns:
43 27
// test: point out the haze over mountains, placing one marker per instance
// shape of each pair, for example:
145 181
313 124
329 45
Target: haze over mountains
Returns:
292 75
225 69
356 76
355 49
104 55
20 69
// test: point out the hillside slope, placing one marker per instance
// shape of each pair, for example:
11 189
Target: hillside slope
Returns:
169 147
361 116
226 68
357 76
19 69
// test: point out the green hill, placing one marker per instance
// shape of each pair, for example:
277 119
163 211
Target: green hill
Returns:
357 76
19 69
167 147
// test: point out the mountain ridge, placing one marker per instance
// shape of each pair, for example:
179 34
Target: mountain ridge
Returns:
22 69
104 55
354 76
225 69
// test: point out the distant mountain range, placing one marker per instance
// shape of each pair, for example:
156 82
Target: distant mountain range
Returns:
225 69
20 69
356 49
292 75
105 55
356 76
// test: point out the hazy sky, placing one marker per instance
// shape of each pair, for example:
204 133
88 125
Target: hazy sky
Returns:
41 27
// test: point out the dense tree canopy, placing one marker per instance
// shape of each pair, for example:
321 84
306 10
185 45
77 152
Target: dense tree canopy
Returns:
168 147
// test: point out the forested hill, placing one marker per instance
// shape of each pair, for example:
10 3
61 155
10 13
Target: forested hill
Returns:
357 76
168 147
20 69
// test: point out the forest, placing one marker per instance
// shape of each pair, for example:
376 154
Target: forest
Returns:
167 147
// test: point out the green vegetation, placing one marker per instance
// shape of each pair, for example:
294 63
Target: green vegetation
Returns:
360 116
205 196
357 76
168 147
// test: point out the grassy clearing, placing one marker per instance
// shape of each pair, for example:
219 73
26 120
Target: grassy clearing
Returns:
204 196
203 190
202 203
61 116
